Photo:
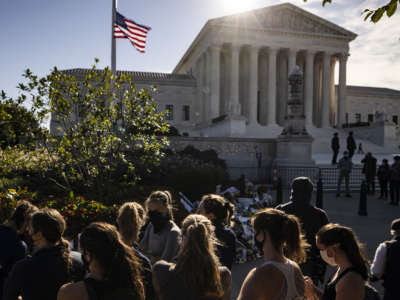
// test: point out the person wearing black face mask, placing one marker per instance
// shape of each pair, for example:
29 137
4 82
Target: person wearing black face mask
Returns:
162 237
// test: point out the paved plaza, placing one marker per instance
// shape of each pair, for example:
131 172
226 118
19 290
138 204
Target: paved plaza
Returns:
371 230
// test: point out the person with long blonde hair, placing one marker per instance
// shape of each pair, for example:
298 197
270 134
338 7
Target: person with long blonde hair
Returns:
162 237
129 223
279 237
197 273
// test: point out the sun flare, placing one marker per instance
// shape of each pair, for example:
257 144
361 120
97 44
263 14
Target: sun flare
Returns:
234 6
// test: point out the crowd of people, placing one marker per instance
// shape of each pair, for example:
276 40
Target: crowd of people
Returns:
388 175
148 256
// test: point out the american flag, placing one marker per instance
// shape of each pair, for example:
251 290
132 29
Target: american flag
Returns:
128 29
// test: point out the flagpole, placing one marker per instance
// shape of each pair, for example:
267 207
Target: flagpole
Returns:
113 40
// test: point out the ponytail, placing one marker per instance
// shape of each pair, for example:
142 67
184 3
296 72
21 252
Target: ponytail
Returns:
332 234
285 232
198 253
295 242
52 226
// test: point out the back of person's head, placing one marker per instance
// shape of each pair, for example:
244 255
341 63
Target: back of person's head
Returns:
197 259
163 198
396 158
129 222
344 238
369 154
350 132
219 207
395 227
22 214
384 161
119 266
51 224
284 231
335 134
302 188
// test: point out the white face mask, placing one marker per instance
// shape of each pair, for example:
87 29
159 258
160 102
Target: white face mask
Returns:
329 260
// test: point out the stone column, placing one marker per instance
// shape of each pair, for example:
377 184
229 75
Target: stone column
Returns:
200 105
272 55
215 51
253 85
341 107
326 89
309 87
291 60
234 105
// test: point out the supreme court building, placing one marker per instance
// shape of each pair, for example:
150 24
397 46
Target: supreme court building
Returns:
232 81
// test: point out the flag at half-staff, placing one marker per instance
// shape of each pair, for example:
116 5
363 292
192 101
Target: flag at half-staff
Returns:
128 29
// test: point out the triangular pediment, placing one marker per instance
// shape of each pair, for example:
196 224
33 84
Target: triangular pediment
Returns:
286 18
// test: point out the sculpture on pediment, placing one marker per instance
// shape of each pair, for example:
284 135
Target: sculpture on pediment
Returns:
292 21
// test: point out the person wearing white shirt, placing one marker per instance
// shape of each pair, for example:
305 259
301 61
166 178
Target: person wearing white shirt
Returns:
386 264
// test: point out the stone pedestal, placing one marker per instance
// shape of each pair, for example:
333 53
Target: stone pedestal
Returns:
294 144
294 151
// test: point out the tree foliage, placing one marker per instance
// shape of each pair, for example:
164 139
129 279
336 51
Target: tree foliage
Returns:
17 125
109 133
375 15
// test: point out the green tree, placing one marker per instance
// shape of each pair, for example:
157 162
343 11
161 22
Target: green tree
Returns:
17 125
374 15
109 133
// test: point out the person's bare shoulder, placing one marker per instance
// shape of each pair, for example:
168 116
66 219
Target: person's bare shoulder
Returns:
262 283
73 291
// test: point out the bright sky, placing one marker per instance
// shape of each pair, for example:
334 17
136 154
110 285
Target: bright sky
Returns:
41 34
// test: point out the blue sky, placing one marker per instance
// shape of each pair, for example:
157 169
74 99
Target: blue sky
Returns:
41 34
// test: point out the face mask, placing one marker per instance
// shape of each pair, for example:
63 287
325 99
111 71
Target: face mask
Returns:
158 219
259 244
329 260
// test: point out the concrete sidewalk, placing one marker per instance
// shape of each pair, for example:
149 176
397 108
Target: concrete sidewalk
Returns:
371 230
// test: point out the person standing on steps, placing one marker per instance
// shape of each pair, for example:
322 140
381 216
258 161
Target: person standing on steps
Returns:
351 144
335 147
395 181
383 177
344 166
369 170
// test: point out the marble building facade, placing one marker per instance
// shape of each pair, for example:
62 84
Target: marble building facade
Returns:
241 64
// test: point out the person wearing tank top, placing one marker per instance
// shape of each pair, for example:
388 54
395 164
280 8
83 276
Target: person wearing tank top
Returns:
279 277
340 248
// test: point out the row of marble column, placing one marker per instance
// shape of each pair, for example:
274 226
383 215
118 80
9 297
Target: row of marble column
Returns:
209 75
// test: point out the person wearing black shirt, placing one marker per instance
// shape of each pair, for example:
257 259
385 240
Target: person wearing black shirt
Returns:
51 266
312 220
220 212
351 144
335 147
